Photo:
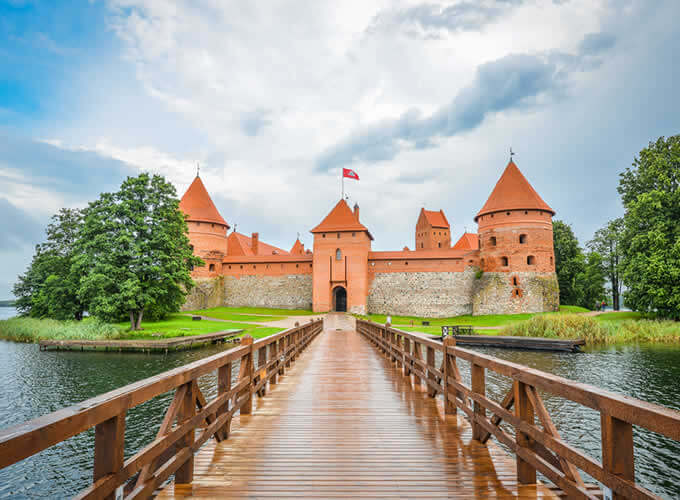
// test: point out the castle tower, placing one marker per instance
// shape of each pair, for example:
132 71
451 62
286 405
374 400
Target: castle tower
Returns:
516 244
432 230
207 228
341 247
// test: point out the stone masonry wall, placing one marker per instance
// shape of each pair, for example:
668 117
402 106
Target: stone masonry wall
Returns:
291 291
514 293
208 292
433 295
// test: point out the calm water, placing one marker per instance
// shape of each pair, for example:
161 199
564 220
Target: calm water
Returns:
35 383
7 312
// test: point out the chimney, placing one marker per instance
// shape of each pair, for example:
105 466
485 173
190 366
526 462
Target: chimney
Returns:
255 242
356 211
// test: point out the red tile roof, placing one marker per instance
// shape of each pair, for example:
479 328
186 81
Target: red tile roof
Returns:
298 247
198 206
341 218
436 219
240 244
469 241
513 192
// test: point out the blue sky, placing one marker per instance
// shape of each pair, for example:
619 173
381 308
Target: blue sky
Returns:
423 99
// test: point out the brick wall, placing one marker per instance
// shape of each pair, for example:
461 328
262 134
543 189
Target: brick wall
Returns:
293 291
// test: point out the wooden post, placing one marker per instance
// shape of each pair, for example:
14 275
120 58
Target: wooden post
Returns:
449 371
185 474
526 474
430 376
223 386
274 354
109 445
407 361
397 347
289 342
282 347
246 372
261 362
417 356
478 386
617 448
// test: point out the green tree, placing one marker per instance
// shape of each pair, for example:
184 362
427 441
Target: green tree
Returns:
607 242
591 282
569 263
134 252
651 238
49 287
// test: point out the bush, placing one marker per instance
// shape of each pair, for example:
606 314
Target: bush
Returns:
33 330
578 326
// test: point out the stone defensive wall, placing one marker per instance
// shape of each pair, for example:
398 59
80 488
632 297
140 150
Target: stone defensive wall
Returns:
435 283
280 281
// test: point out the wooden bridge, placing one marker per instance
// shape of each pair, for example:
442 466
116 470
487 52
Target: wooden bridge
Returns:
361 411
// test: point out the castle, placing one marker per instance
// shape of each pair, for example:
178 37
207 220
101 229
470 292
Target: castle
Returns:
507 267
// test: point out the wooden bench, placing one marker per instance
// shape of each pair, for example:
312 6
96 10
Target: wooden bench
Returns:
457 330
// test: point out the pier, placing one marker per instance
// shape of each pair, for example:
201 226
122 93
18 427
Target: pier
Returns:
340 409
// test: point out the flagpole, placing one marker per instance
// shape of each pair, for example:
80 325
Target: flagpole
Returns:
342 194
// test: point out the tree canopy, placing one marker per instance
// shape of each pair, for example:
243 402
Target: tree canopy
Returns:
134 253
48 288
650 243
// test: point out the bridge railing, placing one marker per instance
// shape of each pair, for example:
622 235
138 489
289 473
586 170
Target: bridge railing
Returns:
537 448
172 451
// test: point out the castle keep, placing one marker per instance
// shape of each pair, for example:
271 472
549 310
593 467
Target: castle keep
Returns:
507 267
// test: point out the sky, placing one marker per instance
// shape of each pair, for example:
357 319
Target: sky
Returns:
423 99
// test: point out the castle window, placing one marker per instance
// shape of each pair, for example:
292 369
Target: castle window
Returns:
492 241
482 263
212 226
522 238
492 216
526 212
422 245
516 292
514 281
406 263
323 235
440 245
531 260
254 266
230 266
338 235
338 254
211 268
297 265
551 261
241 266
310 265
354 234
504 261
507 213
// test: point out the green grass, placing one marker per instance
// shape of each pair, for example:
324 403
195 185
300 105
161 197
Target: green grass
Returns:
34 330
176 325
619 316
253 310
595 331
487 320
436 330
225 314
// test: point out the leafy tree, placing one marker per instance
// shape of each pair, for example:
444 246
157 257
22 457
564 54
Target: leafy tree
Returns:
569 263
134 252
49 287
591 282
607 242
651 238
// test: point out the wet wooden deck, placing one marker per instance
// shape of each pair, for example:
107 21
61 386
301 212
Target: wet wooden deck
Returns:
343 422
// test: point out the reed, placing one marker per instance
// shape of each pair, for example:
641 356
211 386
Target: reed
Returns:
575 326
33 330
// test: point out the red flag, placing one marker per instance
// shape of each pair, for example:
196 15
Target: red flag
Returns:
350 174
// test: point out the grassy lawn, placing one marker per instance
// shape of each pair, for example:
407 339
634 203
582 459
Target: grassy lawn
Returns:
241 313
488 320
177 325
619 316
436 330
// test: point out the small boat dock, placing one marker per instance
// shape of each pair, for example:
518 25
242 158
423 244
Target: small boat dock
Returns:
176 343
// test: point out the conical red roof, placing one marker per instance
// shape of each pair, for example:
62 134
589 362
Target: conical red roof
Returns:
198 206
513 192
341 218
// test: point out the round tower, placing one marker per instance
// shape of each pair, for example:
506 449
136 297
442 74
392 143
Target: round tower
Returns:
207 228
516 243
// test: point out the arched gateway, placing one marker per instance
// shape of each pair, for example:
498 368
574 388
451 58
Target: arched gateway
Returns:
339 299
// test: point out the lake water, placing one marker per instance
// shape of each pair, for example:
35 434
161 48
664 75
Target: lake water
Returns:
35 383
7 312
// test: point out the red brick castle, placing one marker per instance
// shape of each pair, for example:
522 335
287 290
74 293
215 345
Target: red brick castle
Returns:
507 267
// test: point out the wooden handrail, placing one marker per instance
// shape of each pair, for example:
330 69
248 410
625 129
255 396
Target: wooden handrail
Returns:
537 448
173 449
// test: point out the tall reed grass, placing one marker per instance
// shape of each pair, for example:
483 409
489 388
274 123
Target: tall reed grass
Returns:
33 330
576 326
